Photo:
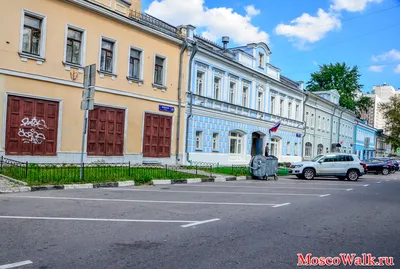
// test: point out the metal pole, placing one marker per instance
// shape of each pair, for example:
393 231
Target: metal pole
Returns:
83 143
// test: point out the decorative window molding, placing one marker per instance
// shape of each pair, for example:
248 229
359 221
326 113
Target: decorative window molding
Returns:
39 56
163 83
199 140
215 142
131 64
82 54
102 68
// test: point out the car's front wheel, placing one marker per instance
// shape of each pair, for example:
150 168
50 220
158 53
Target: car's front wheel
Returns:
352 175
309 173
385 171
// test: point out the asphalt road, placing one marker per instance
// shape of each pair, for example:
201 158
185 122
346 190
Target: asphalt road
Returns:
243 224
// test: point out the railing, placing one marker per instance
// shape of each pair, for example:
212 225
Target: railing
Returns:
207 102
152 21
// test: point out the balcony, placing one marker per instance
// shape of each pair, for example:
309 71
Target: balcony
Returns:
217 105
153 22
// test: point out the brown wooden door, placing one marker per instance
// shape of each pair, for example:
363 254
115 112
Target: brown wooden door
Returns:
106 131
157 136
31 127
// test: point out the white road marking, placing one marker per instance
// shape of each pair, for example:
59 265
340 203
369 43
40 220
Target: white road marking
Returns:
366 185
189 222
324 195
281 205
198 223
218 192
349 189
17 264
137 201
254 187
378 182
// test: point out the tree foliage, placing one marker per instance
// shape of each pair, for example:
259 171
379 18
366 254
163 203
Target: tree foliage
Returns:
363 104
391 112
338 77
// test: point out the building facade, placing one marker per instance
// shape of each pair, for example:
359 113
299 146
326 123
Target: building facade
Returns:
364 140
235 96
329 127
45 47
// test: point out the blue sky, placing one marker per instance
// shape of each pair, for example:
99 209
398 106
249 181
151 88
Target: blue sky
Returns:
362 32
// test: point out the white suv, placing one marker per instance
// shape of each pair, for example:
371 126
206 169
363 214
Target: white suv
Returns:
338 165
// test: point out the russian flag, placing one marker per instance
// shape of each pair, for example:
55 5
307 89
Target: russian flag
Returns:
275 128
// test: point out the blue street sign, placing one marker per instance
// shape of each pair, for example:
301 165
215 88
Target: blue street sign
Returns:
170 109
298 135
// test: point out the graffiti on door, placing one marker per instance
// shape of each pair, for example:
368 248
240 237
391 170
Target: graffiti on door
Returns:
34 133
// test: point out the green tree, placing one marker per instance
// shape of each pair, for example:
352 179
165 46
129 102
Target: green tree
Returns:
363 104
338 77
391 112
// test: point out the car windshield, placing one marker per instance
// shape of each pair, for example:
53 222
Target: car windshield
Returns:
316 158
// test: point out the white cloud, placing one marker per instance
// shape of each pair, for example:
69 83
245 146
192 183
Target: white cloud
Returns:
216 22
352 5
309 29
376 68
391 55
315 62
397 70
252 11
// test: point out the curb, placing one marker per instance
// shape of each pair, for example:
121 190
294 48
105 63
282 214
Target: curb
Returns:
14 180
15 189
196 180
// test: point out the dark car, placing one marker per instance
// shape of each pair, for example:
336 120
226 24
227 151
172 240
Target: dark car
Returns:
377 166
391 162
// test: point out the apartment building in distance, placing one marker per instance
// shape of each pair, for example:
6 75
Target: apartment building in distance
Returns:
44 47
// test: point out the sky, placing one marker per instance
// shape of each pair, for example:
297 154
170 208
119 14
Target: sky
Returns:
302 34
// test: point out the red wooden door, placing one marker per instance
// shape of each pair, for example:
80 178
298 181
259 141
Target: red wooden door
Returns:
106 131
31 126
157 136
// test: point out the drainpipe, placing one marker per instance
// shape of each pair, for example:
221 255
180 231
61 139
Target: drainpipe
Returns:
332 125
194 51
178 127
305 127
340 126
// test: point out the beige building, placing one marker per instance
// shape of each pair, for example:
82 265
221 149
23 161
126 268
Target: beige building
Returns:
44 48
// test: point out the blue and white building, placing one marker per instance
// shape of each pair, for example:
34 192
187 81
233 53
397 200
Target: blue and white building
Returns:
235 96
364 140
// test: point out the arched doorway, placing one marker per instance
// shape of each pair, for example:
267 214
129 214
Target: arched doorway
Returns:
257 143
320 149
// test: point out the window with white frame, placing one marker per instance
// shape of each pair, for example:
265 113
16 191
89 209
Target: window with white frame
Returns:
288 149
261 60
159 70
200 83
312 121
235 143
217 88
107 57
307 119
308 150
281 107
199 140
319 123
244 95
74 46
33 34
135 63
297 117
290 110
295 149
215 140
260 97
275 146
272 104
232 90
320 149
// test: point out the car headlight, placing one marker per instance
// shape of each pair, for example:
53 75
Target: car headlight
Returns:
298 166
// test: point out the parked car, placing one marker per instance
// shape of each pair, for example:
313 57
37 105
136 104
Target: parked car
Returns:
390 162
339 165
377 166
